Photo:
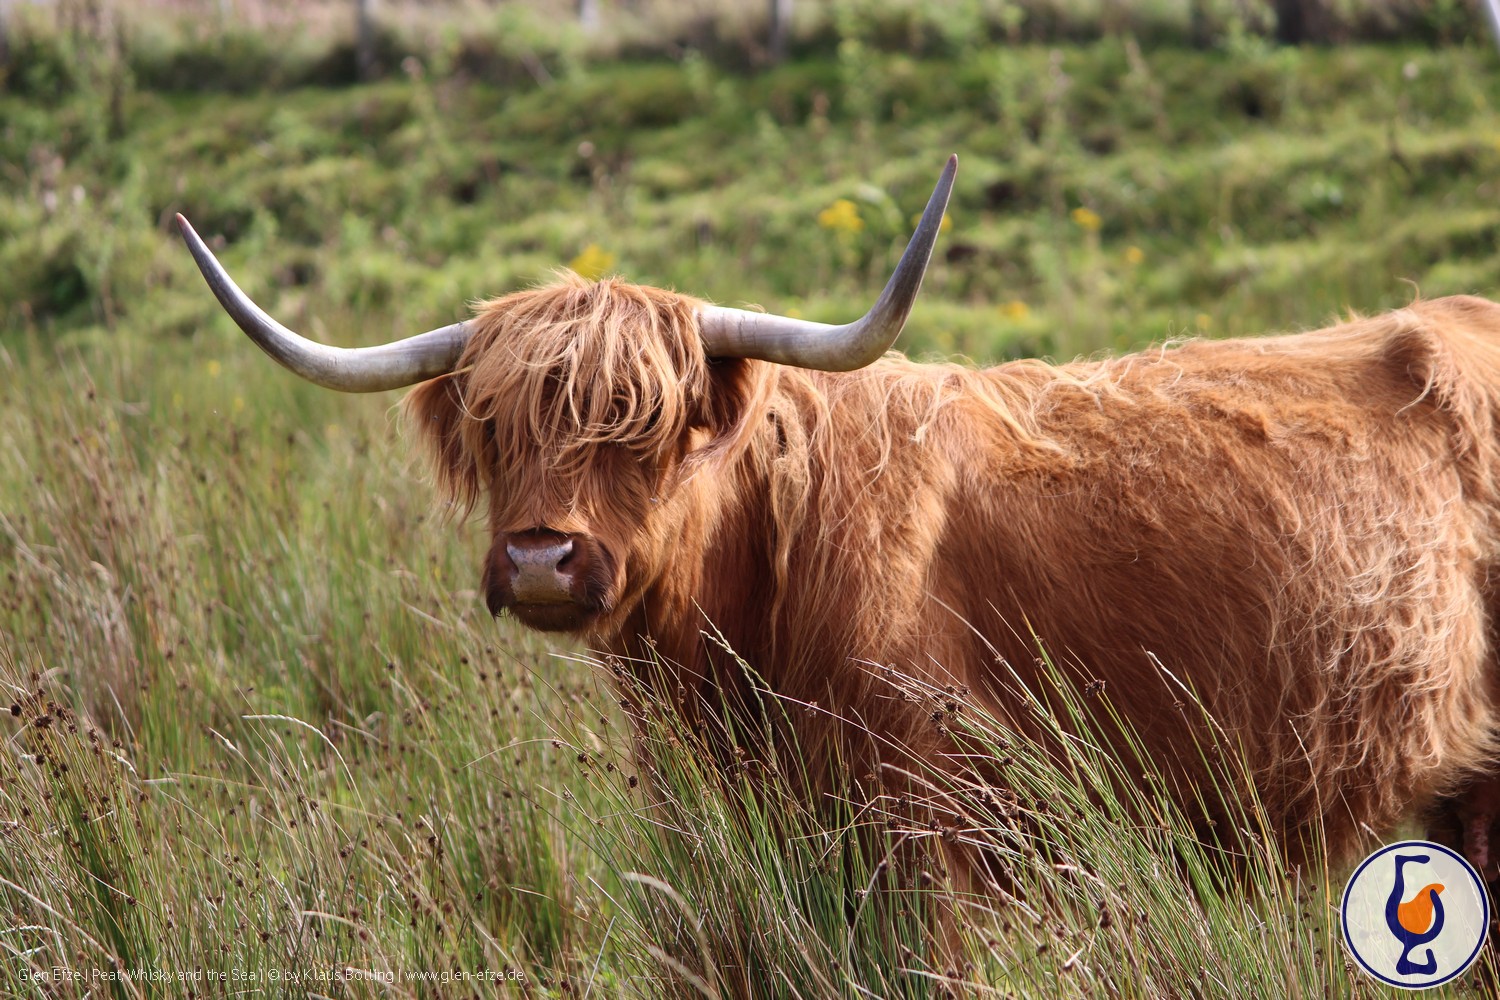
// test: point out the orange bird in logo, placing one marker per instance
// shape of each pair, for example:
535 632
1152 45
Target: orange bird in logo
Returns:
1416 914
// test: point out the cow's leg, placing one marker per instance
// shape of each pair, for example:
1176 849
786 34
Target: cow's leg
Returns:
1477 812
1469 822
1475 820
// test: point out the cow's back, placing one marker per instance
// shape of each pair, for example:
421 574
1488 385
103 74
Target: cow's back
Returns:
1298 529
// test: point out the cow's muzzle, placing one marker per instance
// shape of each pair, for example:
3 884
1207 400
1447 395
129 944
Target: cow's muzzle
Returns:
550 581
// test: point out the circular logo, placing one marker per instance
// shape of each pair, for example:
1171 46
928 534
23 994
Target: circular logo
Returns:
1415 914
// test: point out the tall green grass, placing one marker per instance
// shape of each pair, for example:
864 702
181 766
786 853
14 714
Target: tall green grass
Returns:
274 734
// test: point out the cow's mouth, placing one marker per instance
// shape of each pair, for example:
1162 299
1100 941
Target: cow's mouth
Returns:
547 616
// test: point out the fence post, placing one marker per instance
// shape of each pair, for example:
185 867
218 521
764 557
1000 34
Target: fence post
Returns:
1292 21
780 18
588 14
364 38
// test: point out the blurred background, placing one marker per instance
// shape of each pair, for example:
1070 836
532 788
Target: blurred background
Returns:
1131 170
259 711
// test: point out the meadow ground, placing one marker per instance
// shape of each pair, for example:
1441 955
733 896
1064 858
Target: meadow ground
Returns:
263 735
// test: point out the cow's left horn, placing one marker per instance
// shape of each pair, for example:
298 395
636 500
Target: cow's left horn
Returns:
739 333
349 369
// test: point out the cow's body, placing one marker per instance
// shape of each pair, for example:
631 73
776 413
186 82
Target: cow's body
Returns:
1301 529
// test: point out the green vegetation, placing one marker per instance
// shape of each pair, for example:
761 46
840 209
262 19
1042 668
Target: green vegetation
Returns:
262 722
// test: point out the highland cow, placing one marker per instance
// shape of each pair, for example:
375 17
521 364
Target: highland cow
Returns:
1301 529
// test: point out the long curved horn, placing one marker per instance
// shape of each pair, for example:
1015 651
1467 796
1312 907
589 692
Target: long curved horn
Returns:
739 333
348 369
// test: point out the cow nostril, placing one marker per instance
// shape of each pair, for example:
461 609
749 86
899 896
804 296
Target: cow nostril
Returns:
568 552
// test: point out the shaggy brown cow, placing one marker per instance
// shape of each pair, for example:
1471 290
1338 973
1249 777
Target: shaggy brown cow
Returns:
1302 528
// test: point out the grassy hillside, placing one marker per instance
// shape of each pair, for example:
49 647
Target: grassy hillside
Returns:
261 722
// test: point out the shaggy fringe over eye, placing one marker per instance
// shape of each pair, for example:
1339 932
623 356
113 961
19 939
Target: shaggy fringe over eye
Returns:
553 373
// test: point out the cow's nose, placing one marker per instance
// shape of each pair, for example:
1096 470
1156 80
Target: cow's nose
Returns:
540 562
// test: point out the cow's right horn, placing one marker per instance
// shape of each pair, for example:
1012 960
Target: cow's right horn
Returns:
739 333
349 369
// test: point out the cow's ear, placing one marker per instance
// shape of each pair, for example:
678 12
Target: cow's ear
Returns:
737 391
435 410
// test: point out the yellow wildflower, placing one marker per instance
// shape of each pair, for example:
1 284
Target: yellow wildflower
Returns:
842 216
1015 309
593 263
1204 321
238 406
1134 255
214 369
1087 219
